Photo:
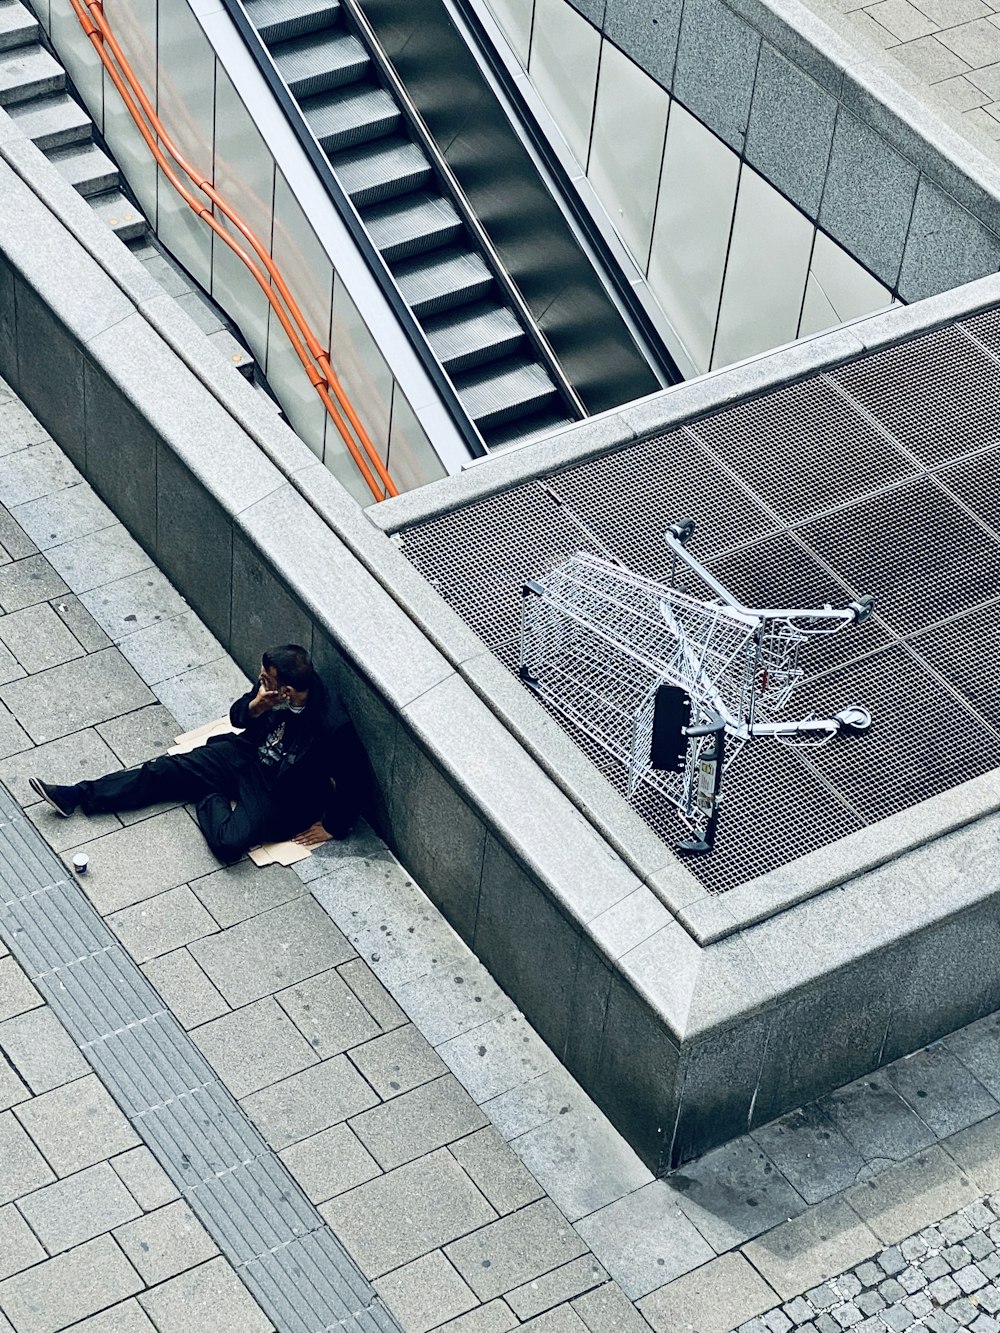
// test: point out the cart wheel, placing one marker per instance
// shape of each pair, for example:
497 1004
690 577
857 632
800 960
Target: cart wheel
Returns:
854 718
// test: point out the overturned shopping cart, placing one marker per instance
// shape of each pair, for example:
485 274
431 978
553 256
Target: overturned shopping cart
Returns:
673 684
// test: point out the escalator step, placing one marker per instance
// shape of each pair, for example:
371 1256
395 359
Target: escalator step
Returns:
412 225
349 116
506 391
472 336
442 281
320 61
526 429
277 20
382 170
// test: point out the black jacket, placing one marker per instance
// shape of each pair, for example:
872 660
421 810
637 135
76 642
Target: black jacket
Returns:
317 746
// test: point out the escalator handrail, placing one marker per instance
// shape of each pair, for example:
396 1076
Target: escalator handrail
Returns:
471 219
264 62
304 342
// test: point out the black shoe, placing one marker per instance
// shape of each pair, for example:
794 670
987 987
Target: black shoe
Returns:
63 800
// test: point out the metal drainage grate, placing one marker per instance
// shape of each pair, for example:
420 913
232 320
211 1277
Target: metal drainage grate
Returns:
877 477
238 1188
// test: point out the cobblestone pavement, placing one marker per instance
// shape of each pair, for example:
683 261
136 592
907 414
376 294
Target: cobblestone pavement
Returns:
467 1174
947 51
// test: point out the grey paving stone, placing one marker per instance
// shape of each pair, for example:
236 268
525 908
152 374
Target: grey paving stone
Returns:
78 1208
977 43
125 605
496 1170
69 1287
100 557
298 1107
64 515
237 892
425 1118
28 582
715 1298
185 988
810 1152
330 1163
734 1193
62 835
40 1050
12 1089
39 470
19 1248
911 1194
645 1240
125 1318
161 924
12 737
141 735
17 994
515 1249
425 1293
144 1179
582 1161
13 538
534 1103
497 1056
398 1061
797 1255
417 1208
38 638
76 1125
372 994
165 1242
271 951
608 1310
81 624
496 1317
18 428
10 668
875 1120
208 1297
80 755
203 694
561 1320
446 1007
142 860
253 1047
328 1014
551 1289
941 1090
75 695
170 648
978 1047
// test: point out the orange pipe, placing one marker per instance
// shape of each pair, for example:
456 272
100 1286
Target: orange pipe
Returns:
96 27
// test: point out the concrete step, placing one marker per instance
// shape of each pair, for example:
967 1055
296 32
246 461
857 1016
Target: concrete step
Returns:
52 122
88 169
121 215
27 72
18 25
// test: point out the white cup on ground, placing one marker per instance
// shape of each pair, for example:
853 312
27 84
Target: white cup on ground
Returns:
81 863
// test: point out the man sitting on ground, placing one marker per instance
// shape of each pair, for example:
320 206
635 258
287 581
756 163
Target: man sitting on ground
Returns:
294 772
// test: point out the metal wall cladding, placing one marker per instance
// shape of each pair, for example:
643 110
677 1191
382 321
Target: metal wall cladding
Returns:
879 477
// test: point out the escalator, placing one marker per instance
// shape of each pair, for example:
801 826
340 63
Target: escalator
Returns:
510 345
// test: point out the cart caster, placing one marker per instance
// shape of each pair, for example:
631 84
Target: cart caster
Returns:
693 847
855 719
682 530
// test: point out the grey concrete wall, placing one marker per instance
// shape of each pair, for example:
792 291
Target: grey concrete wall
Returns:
865 160
583 917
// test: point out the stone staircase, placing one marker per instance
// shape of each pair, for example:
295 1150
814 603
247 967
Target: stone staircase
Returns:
33 92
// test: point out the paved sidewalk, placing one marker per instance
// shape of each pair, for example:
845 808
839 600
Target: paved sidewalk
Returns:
468 1175
946 51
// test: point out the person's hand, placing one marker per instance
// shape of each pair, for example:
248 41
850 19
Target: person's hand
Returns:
264 700
313 835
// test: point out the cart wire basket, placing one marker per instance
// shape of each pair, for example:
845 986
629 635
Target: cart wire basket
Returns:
670 684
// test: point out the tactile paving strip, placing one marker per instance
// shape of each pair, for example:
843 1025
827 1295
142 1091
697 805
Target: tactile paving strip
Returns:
235 1185
880 476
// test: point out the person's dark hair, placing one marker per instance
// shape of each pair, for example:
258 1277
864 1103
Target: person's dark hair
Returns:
292 664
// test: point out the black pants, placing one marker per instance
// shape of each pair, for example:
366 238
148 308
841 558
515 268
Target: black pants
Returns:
213 776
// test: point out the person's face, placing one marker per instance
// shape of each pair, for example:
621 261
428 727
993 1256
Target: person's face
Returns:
268 681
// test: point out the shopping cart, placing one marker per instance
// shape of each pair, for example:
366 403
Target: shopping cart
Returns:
672 685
